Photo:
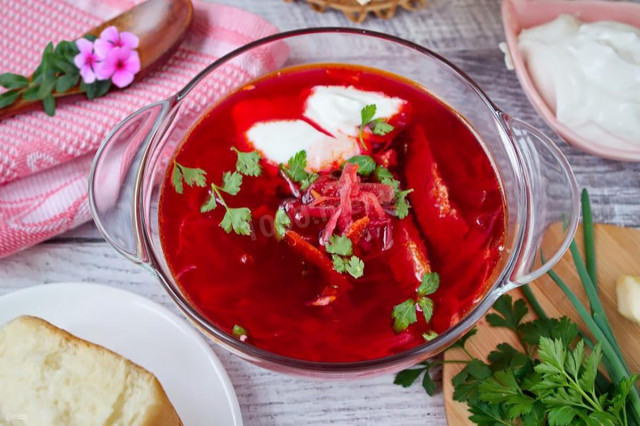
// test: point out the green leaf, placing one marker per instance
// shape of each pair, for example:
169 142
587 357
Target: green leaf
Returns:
49 104
383 174
248 163
282 223
404 314
7 98
340 245
483 414
31 94
211 202
238 220
231 182
355 267
428 384
511 314
467 380
239 331
429 285
381 128
308 181
563 329
587 379
561 416
65 66
13 81
296 167
463 340
552 355
176 179
339 264
506 357
365 163
366 114
47 86
101 87
426 305
193 176
402 206
429 336
88 89
66 82
406 378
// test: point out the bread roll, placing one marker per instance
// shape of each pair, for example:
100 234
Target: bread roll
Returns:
50 377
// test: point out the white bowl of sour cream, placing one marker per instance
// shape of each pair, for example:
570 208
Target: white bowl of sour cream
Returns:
579 64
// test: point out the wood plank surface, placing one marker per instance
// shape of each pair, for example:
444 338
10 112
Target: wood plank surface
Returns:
465 31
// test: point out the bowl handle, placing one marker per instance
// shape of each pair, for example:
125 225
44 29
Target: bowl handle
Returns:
552 202
115 184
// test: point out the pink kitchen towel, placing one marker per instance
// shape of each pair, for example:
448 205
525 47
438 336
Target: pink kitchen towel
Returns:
44 161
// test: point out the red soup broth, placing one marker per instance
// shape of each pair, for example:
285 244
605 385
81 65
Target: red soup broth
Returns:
265 285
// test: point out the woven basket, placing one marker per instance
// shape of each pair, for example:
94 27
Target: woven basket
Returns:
356 12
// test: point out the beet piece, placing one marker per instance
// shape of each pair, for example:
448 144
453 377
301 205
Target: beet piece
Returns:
408 257
438 216
336 282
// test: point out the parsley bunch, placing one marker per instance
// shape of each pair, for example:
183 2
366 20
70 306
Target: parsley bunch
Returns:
551 377
237 220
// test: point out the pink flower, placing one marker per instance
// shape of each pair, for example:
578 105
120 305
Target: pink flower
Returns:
86 60
110 39
120 64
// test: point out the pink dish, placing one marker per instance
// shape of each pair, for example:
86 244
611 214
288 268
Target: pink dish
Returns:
522 14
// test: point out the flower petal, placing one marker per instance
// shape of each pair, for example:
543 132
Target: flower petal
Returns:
88 76
110 34
122 78
104 70
84 45
132 64
80 60
102 48
129 40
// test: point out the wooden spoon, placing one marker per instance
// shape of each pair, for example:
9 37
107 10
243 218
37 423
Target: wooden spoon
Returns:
160 25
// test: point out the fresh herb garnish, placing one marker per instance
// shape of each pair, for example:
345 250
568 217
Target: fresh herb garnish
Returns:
238 220
239 332
188 175
282 223
384 176
550 378
342 250
295 169
404 314
379 126
365 163
339 245
248 163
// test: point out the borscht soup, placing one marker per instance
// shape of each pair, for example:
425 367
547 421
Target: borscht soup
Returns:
332 213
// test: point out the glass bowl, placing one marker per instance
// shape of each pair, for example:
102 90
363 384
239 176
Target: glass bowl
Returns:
539 187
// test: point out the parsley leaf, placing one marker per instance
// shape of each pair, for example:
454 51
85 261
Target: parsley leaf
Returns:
383 174
190 176
429 336
295 169
402 206
406 378
239 331
429 284
366 115
231 182
238 220
365 163
404 314
381 127
426 305
282 223
248 163
211 202
339 264
509 314
355 267
340 245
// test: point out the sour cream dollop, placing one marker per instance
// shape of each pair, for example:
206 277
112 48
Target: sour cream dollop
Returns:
589 75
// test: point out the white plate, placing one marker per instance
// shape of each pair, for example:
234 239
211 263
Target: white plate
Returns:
146 333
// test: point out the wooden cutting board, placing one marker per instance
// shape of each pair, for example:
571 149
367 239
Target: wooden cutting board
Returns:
617 253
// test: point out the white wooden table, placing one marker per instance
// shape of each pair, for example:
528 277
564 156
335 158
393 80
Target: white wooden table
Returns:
465 31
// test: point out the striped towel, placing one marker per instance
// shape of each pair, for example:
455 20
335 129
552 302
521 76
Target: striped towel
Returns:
44 161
